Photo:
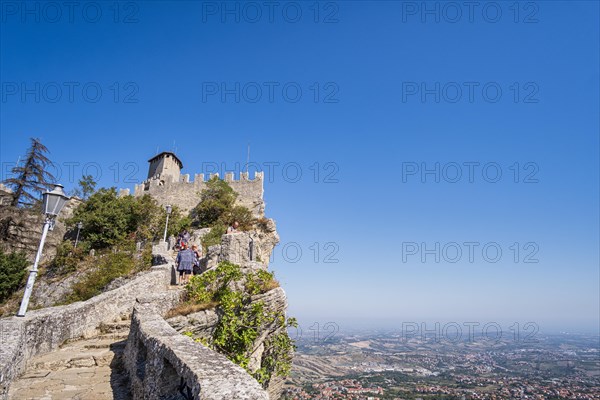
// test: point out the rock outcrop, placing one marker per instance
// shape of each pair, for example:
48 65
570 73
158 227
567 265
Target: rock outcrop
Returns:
21 229
241 249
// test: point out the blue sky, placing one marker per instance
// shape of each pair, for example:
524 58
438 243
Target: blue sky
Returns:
388 89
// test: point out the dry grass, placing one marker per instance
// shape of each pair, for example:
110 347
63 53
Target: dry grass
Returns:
270 285
188 308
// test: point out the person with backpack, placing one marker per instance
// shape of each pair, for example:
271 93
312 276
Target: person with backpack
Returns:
197 256
185 264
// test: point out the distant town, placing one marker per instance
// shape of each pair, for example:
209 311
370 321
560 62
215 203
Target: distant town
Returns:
382 366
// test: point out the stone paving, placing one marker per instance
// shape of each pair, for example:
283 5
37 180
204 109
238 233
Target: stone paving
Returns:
89 369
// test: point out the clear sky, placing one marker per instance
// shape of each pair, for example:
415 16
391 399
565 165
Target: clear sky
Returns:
360 98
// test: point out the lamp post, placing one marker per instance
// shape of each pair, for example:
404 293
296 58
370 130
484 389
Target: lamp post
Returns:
168 209
53 203
79 226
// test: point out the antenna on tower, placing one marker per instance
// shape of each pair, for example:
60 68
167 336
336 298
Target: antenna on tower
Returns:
156 149
248 159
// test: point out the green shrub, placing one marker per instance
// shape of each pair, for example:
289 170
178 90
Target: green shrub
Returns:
241 320
217 207
110 267
260 282
217 199
12 271
68 257
213 237
108 219
240 214
217 210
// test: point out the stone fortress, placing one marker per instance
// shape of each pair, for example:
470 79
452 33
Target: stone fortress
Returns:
168 185
122 344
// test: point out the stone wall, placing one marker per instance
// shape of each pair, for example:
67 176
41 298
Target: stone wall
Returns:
44 330
162 363
186 194
235 248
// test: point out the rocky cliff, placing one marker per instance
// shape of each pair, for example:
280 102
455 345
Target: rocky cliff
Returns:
243 249
21 230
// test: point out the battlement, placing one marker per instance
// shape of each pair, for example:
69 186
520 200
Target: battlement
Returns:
168 185
185 178
185 193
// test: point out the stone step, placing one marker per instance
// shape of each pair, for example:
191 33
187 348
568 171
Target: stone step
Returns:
89 368
85 354
117 336
115 327
105 343
59 362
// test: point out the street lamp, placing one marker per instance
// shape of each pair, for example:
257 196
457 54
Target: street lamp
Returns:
79 226
53 203
169 209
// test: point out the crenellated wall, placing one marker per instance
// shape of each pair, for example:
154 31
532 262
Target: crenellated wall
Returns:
185 193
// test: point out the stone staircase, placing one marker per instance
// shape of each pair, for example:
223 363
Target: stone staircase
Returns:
89 369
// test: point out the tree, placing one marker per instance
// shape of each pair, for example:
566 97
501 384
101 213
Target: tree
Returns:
109 219
87 187
106 217
12 272
217 207
32 177
215 201
217 210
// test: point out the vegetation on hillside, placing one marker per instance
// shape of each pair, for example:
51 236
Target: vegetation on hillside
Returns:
12 271
109 220
112 225
241 320
108 268
217 210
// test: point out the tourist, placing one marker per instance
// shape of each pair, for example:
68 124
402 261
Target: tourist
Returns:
184 238
197 256
185 264
233 228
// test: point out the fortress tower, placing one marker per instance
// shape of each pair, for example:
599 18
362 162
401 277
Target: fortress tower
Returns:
168 186
165 166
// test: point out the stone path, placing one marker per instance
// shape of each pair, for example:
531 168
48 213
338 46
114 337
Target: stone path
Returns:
88 369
